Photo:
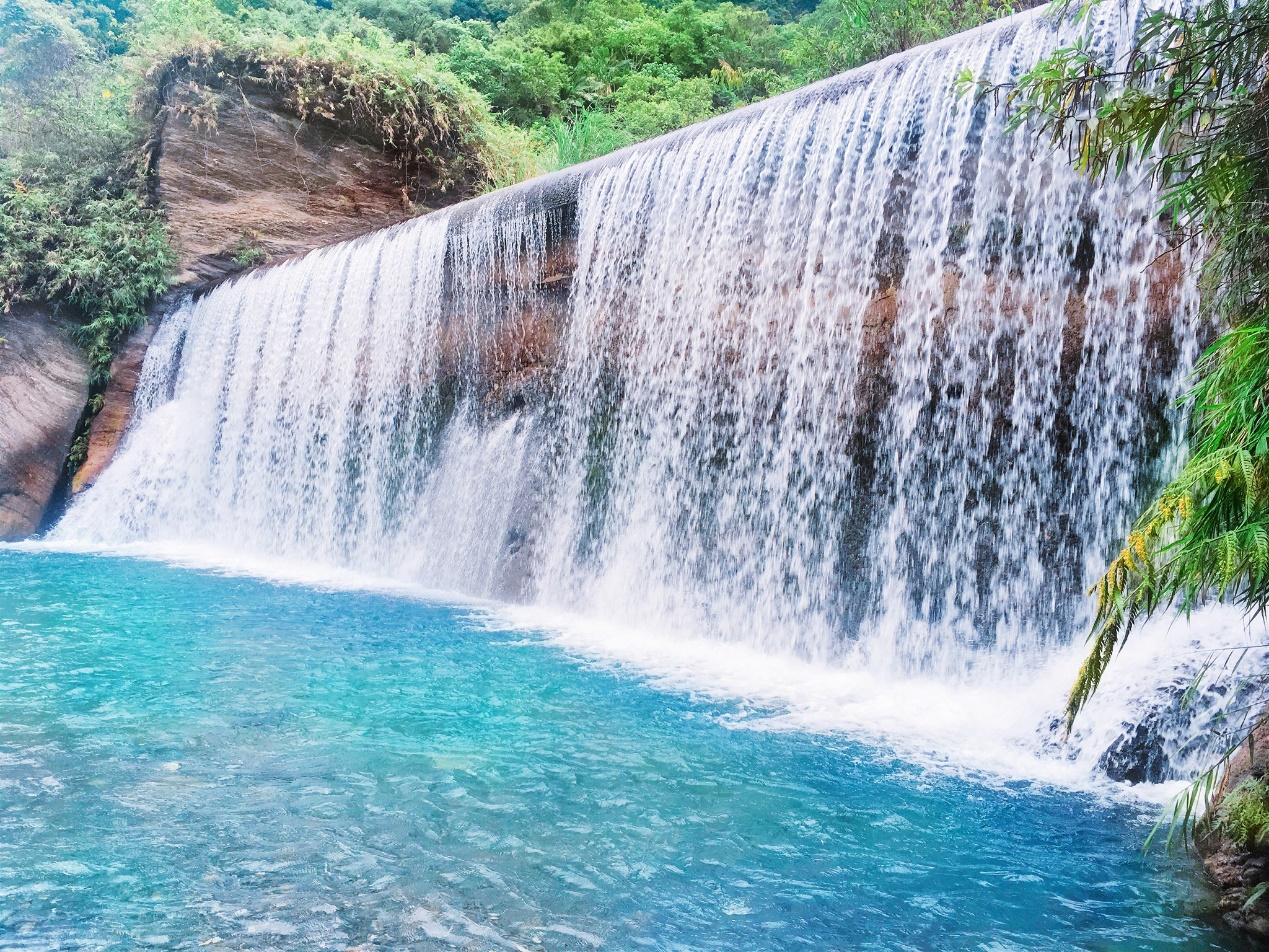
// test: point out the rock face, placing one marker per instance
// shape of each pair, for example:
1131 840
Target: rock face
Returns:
1136 757
116 409
243 180
1234 869
43 387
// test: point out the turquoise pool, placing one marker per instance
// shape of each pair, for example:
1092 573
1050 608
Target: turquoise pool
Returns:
191 759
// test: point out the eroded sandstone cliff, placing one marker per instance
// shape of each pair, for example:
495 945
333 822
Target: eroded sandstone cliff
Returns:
243 179
43 387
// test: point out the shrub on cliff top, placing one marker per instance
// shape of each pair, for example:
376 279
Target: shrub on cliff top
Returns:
624 70
340 69
102 255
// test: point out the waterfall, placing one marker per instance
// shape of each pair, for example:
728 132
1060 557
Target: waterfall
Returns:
852 375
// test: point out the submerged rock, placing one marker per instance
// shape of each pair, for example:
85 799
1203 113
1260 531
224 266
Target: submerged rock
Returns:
43 387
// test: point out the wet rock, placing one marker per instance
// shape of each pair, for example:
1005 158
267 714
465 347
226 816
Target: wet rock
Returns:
43 388
1176 731
112 420
1233 869
1137 757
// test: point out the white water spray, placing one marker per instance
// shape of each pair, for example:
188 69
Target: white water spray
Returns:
852 377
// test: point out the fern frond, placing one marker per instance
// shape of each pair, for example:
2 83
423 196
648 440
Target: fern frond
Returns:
1105 637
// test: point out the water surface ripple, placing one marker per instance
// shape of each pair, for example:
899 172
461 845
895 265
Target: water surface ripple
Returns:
188 758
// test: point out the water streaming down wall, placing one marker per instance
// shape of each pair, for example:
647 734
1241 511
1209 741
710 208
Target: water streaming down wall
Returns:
850 374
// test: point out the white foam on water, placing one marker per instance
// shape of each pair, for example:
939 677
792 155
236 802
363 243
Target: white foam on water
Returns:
994 730
221 560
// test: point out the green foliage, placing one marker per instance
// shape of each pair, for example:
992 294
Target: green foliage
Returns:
102 22
842 34
552 65
247 253
37 41
75 231
522 84
590 134
513 155
104 256
405 20
550 59
1243 815
654 101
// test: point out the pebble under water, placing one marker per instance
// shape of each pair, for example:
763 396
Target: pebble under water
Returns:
190 759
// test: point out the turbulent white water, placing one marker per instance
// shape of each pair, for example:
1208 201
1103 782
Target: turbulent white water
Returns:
853 378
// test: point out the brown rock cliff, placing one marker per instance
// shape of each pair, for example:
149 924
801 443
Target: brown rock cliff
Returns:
244 180
43 387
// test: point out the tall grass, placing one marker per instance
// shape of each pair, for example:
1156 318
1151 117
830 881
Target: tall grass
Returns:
588 135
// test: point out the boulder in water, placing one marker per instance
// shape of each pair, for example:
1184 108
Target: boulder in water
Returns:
1137 757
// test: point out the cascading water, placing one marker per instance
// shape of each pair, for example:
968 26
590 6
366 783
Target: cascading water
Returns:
852 375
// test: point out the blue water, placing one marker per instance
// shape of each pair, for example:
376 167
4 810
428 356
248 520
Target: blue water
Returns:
188 758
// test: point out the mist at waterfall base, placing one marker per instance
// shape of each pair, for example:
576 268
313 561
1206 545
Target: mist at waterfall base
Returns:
852 395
